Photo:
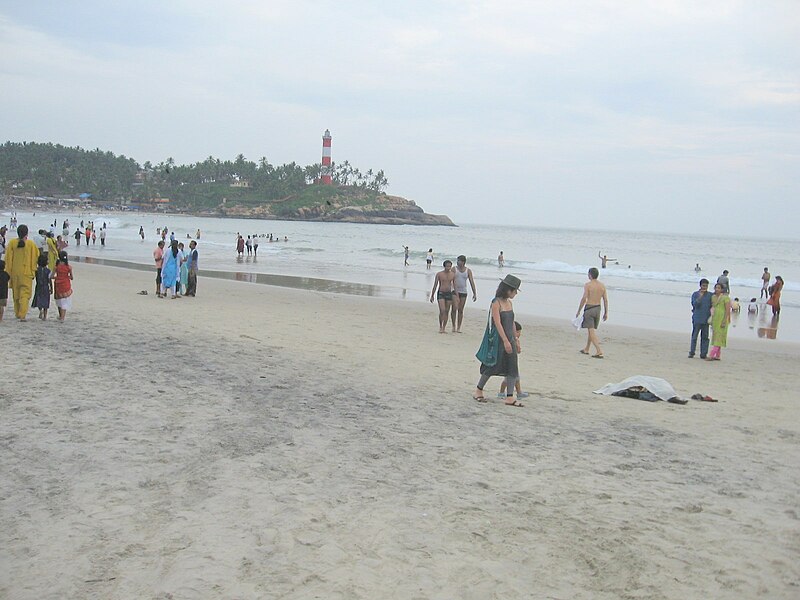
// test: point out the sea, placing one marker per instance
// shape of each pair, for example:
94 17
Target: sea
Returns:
650 276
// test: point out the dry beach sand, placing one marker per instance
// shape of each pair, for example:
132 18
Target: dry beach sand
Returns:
260 442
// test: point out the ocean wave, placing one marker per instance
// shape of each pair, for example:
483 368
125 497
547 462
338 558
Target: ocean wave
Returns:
554 266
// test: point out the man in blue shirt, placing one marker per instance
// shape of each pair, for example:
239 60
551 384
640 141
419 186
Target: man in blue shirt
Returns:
701 313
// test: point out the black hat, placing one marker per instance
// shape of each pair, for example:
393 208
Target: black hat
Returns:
512 281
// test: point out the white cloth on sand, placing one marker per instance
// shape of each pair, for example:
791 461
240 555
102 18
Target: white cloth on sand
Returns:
655 385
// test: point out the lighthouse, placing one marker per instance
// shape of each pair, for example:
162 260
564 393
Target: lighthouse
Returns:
326 170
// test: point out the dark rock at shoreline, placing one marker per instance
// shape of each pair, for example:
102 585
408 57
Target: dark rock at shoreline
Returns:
386 210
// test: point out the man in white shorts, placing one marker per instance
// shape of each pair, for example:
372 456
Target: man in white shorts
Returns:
765 283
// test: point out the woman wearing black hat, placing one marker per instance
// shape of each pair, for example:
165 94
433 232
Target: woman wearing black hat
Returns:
502 314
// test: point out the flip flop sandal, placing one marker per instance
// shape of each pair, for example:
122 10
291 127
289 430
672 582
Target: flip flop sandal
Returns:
514 403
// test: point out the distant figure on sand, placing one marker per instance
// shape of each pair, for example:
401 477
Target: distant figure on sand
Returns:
520 393
501 260
191 285
52 252
463 275
4 278
765 277
22 259
701 312
720 319
62 286
725 281
44 288
593 293
170 270
405 256
141 232
775 296
604 260
158 257
429 258
183 279
445 280
502 319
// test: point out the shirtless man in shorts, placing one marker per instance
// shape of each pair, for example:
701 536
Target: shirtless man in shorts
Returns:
765 283
463 275
445 281
593 293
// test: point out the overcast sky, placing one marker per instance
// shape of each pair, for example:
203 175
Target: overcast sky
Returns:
664 115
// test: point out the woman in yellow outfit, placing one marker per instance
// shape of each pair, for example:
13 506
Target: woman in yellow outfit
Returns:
52 252
22 256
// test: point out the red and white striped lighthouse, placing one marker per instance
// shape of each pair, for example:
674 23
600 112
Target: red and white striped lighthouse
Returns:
326 171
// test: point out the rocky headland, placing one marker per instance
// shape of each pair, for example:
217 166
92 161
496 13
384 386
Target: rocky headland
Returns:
383 210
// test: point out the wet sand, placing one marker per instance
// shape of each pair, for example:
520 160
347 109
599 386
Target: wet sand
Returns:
265 442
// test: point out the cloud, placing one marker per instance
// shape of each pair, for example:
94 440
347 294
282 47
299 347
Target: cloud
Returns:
547 102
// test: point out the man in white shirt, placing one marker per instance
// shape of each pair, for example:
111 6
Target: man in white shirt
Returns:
463 276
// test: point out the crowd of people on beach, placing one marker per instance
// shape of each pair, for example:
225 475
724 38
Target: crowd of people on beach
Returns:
44 263
24 262
711 313
250 245
176 269
500 346
86 229
715 311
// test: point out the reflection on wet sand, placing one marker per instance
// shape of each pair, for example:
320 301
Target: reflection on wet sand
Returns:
768 330
288 281
764 324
